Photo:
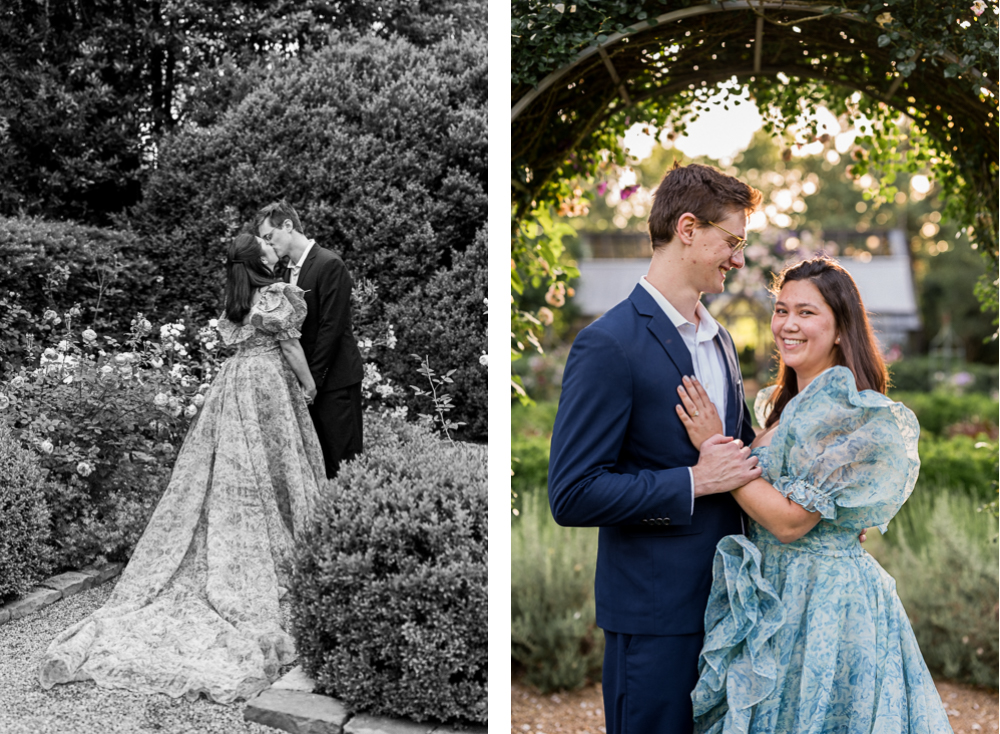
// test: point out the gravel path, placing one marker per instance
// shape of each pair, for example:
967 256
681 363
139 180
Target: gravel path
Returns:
83 708
970 710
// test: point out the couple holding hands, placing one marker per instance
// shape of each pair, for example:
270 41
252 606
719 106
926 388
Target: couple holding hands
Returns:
731 582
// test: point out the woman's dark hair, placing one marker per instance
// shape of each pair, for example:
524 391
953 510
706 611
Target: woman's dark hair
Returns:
857 350
245 273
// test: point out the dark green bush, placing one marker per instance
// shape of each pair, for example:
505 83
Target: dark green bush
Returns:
24 528
389 583
445 320
381 147
553 635
54 265
956 463
938 411
530 435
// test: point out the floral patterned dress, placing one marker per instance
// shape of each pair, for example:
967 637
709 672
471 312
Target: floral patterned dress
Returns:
197 608
810 636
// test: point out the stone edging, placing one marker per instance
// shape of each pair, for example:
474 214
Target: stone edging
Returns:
58 587
290 705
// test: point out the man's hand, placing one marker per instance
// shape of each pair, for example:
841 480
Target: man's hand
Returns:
724 465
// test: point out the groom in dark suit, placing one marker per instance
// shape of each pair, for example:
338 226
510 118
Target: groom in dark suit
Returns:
621 458
327 340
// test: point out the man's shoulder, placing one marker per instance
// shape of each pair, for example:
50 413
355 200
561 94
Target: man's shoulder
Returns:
325 255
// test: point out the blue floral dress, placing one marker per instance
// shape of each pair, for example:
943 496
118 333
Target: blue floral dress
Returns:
810 636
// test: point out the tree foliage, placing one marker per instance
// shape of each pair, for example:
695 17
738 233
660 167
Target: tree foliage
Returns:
872 62
88 88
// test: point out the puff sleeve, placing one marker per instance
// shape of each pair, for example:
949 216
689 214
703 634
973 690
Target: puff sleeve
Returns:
279 311
849 455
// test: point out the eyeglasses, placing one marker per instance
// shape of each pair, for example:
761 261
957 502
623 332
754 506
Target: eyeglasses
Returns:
741 242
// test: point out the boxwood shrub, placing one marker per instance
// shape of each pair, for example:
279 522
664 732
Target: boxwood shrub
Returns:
388 585
24 529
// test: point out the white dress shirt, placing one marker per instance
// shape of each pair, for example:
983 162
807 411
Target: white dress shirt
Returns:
706 354
297 267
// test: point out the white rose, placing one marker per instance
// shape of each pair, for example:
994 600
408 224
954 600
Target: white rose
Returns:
84 469
165 331
121 359
89 336
46 446
156 362
17 381
203 387
4 401
214 323
107 370
191 411
483 359
160 400
198 400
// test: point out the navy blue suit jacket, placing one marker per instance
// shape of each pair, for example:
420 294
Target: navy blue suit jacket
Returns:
620 458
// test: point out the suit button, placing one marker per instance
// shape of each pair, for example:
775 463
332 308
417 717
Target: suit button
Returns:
666 521
658 521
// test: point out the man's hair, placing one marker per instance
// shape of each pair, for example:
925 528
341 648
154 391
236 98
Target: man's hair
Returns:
277 212
704 191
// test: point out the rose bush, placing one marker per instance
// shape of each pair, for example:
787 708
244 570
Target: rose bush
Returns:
106 418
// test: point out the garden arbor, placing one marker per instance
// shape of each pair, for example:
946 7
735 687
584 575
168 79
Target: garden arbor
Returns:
582 75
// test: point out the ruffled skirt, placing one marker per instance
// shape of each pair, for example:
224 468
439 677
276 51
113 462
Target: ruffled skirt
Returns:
811 641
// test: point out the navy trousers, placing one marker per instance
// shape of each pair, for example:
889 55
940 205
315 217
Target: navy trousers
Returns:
648 681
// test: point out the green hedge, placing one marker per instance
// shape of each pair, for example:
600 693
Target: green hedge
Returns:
530 435
56 265
389 583
938 411
957 463
24 530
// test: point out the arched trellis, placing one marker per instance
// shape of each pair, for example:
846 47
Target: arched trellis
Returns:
698 45
580 78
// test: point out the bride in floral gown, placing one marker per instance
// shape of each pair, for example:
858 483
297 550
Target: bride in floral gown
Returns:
197 608
804 631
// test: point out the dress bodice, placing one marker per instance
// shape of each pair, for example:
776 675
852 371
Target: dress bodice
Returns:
276 315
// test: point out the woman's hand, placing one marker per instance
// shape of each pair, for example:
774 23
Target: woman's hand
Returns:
699 416
310 393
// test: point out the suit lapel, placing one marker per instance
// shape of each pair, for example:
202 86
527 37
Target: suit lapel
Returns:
734 391
661 327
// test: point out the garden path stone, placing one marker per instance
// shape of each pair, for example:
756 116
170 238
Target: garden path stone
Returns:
69 583
103 573
297 712
363 724
36 599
